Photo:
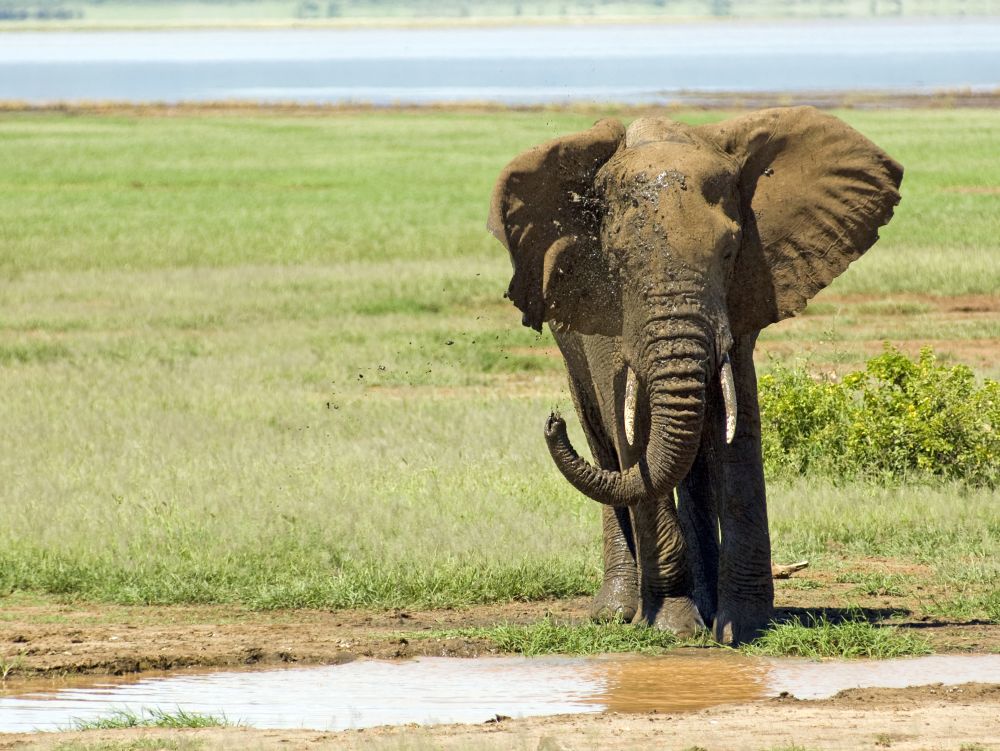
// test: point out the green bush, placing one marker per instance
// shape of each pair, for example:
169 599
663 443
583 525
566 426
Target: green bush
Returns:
896 419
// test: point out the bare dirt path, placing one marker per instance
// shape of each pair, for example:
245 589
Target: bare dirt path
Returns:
837 331
931 717
47 639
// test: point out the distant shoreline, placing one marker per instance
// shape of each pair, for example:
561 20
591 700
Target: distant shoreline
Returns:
442 22
689 100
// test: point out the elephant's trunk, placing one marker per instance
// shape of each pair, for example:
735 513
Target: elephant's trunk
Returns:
676 367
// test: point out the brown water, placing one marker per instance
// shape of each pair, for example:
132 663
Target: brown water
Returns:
439 689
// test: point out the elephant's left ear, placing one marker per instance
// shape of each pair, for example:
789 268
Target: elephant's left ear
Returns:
814 192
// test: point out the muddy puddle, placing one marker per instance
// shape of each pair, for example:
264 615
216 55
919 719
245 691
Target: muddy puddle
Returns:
439 689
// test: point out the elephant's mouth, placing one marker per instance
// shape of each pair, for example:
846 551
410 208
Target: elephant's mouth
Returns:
726 383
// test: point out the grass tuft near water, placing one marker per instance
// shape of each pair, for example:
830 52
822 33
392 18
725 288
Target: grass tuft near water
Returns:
549 637
815 638
153 718
820 637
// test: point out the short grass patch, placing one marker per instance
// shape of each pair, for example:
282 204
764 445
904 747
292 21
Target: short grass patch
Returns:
549 637
819 637
10 665
133 744
971 604
153 718
802 584
876 584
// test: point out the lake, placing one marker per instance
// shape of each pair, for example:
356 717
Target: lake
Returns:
513 65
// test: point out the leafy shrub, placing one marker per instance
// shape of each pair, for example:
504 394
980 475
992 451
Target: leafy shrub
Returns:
896 419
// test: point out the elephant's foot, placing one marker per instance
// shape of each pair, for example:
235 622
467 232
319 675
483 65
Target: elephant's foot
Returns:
678 615
738 623
617 600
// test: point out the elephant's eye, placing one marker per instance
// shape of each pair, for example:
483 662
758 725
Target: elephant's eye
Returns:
719 183
715 187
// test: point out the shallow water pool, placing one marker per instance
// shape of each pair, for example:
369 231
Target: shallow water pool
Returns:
430 690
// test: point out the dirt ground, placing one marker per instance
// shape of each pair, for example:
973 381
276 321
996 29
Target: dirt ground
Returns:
52 640
48 640
870 319
51 645
958 718
962 324
47 644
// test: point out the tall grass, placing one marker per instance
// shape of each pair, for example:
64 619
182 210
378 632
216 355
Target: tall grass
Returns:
266 360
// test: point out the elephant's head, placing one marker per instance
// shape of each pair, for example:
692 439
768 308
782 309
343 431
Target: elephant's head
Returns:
677 239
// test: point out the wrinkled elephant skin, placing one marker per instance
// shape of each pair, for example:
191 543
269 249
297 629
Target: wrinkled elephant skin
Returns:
656 254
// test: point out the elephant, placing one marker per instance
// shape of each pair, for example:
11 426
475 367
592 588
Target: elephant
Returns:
656 254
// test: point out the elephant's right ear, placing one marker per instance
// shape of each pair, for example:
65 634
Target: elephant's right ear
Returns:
540 213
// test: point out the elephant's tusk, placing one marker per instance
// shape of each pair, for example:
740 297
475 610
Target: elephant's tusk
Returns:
729 397
631 387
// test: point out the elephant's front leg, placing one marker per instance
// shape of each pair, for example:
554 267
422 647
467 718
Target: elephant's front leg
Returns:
746 589
618 598
591 374
665 581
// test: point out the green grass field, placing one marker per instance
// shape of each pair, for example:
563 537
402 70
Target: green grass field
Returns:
265 359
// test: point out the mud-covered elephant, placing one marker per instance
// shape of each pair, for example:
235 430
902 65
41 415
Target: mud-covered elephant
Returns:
657 254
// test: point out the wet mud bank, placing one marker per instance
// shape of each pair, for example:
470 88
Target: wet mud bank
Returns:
39 640
69 646
430 691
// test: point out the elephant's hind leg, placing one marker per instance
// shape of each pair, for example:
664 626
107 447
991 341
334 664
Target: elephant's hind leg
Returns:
697 498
